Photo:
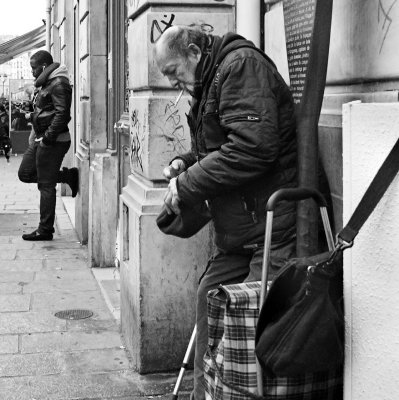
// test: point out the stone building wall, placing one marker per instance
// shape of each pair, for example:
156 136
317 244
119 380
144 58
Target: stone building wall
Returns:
159 274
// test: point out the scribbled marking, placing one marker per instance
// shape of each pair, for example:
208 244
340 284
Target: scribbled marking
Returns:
384 16
175 134
157 30
135 141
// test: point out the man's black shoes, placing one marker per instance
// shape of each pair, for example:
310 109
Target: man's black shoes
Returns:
71 177
74 181
36 236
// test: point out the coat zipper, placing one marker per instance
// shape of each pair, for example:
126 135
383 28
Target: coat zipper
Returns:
252 118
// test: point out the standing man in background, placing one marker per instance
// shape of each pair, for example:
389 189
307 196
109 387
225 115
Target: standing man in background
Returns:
243 148
42 160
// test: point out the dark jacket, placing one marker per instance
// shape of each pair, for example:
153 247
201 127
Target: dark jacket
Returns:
4 130
52 104
243 143
19 122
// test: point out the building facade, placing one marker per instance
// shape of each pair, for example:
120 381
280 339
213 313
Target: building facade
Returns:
16 69
126 128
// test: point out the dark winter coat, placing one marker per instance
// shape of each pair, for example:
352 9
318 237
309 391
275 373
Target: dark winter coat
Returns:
52 104
243 143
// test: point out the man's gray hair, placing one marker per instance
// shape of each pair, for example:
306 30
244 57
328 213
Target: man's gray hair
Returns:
178 40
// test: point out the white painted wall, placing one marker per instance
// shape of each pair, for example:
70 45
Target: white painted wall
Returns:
371 267
248 20
275 44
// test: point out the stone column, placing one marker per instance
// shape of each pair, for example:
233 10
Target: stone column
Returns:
65 31
159 274
91 87
102 218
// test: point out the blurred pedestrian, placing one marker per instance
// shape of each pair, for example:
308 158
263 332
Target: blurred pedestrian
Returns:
19 122
5 142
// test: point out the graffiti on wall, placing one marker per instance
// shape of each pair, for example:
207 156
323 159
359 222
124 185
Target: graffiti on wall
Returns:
137 129
176 133
158 27
171 128
385 18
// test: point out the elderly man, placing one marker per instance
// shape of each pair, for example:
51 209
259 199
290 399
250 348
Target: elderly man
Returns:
243 149
51 140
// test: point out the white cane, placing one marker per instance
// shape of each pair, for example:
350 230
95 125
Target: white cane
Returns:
185 363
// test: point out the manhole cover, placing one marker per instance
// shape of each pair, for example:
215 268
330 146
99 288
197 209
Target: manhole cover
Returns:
74 314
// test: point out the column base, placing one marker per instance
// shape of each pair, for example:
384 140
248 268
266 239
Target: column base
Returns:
159 279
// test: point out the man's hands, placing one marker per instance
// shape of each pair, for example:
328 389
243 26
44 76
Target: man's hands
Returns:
32 137
172 197
174 169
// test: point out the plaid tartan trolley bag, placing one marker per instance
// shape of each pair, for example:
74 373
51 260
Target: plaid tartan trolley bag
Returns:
232 371
293 348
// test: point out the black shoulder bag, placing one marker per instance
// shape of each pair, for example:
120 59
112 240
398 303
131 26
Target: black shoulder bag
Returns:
301 325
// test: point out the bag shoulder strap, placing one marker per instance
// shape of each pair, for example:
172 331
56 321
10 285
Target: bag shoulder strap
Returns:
374 193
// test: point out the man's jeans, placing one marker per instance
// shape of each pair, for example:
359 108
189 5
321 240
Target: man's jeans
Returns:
41 164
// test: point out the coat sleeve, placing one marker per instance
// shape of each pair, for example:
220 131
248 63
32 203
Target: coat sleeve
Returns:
249 118
188 158
61 98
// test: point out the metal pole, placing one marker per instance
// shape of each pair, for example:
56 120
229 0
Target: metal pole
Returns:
48 22
327 228
247 14
9 112
263 288
307 126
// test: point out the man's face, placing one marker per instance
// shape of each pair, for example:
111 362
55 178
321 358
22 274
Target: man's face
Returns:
37 68
178 69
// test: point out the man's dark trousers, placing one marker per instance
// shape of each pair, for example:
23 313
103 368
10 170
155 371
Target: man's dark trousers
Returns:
229 268
41 164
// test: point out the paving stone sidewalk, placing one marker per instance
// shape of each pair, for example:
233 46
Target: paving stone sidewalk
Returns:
44 357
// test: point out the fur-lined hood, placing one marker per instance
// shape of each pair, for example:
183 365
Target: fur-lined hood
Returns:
52 71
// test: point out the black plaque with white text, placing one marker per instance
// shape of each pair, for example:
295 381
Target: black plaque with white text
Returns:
299 21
